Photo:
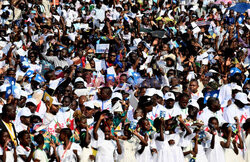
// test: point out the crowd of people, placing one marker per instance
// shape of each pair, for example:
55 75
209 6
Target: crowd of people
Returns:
124 81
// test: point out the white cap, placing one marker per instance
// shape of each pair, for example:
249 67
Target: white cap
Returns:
89 104
169 95
237 87
79 79
32 100
242 97
160 93
193 103
117 95
25 112
55 101
24 94
150 92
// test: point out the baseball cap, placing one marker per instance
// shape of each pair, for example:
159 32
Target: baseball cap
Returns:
55 101
242 97
117 95
169 95
89 104
25 112
193 103
150 92
79 79
31 100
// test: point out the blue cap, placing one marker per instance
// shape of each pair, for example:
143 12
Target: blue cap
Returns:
234 70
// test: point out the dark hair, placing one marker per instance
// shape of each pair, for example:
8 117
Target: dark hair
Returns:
22 134
5 107
213 118
67 132
157 123
211 100
47 75
183 95
39 139
1 133
140 122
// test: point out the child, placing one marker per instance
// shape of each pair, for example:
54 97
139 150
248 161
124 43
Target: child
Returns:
144 150
106 146
129 143
161 142
246 127
230 148
174 138
216 150
68 151
25 150
7 149
82 136
40 155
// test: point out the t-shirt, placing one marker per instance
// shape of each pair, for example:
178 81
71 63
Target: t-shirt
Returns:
20 150
40 155
69 155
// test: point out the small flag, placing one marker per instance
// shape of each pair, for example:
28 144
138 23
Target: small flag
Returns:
214 93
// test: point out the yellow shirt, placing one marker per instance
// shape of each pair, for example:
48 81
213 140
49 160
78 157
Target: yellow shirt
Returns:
11 132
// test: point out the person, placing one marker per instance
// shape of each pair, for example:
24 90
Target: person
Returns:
237 109
7 149
247 130
106 147
216 150
8 114
68 151
161 142
25 150
25 123
213 109
39 153
144 151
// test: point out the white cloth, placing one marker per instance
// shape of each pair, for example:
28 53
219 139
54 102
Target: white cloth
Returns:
233 111
163 149
69 155
9 154
183 112
105 150
40 155
215 154
20 150
206 114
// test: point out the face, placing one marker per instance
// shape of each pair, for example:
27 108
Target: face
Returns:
138 113
82 123
168 124
183 102
54 109
169 103
105 95
146 125
11 112
11 73
193 86
32 57
112 57
32 107
25 120
215 124
68 91
26 140
22 101
88 112
192 111
73 105
215 106
107 133
123 79
5 137
66 101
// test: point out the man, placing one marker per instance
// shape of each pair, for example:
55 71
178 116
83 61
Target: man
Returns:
169 104
24 123
89 111
193 88
8 114
213 109
50 120
237 109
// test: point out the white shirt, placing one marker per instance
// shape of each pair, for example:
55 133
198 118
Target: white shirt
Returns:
40 155
183 112
155 113
233 111
65 118
20 150
69 155
206 114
